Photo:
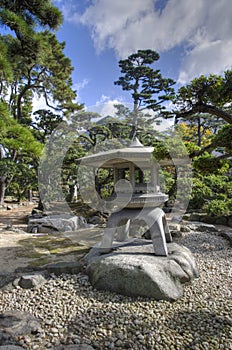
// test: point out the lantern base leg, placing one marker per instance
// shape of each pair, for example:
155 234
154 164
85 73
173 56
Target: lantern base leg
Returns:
153 217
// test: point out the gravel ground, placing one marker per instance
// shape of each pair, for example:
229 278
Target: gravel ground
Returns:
73 312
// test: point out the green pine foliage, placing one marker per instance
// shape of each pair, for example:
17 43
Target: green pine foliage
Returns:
18 150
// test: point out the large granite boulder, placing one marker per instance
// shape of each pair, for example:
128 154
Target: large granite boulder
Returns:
134 270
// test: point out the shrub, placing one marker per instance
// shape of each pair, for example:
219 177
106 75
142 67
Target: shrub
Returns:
218 207
200 193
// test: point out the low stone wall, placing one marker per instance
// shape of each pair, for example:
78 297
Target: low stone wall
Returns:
214 220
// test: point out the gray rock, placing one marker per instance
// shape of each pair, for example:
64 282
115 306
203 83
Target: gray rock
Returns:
176 219
175 229
228 236
72 267
59 222
95 220
195 217
6 279
174 226
186 216
208 219
206 228
185 228
229 222
201 227
221 220
31 281
134 270
15 323
74 347
11 347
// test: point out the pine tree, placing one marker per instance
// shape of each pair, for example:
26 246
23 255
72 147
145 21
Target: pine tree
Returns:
149 90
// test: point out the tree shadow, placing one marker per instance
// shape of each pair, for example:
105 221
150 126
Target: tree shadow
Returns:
199 328
203 242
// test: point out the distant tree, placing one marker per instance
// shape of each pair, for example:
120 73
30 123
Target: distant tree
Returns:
43 124
90 131
198 130
24 180
212 95
149 90
211 174
145 131
16 144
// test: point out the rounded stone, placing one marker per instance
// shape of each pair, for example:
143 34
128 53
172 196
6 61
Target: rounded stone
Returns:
134 270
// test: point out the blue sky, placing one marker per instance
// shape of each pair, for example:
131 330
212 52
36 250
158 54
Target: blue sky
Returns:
192 38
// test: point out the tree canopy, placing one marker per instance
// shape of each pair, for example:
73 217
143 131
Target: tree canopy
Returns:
32 61
149 90
212 95
32 64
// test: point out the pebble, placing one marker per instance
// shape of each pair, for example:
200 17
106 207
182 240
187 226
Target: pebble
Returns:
72 312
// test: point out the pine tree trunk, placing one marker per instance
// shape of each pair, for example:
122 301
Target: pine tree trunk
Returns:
199 132
2 191
29 196
132 132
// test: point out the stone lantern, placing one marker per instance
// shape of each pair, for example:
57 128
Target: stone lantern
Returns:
136 191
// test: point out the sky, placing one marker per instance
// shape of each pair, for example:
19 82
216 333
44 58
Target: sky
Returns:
192 37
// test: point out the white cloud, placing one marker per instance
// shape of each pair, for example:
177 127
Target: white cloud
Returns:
202 27
78 87
39 103
125 28
207 58
105 106
109 20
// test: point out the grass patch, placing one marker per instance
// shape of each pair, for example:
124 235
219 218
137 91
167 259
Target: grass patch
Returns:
29 253
40 262
42 246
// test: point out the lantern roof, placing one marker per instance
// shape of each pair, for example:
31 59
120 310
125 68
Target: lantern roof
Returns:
135 152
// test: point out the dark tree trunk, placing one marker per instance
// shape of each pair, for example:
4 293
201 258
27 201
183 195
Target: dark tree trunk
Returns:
40 205
133 132
173 189
29 196
97 185
199 132
2 191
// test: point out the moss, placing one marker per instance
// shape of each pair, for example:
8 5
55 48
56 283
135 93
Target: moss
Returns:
69 250
31 254
44 246
47 242
40 262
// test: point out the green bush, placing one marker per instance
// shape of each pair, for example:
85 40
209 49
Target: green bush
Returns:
200 193
166 180
218 207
